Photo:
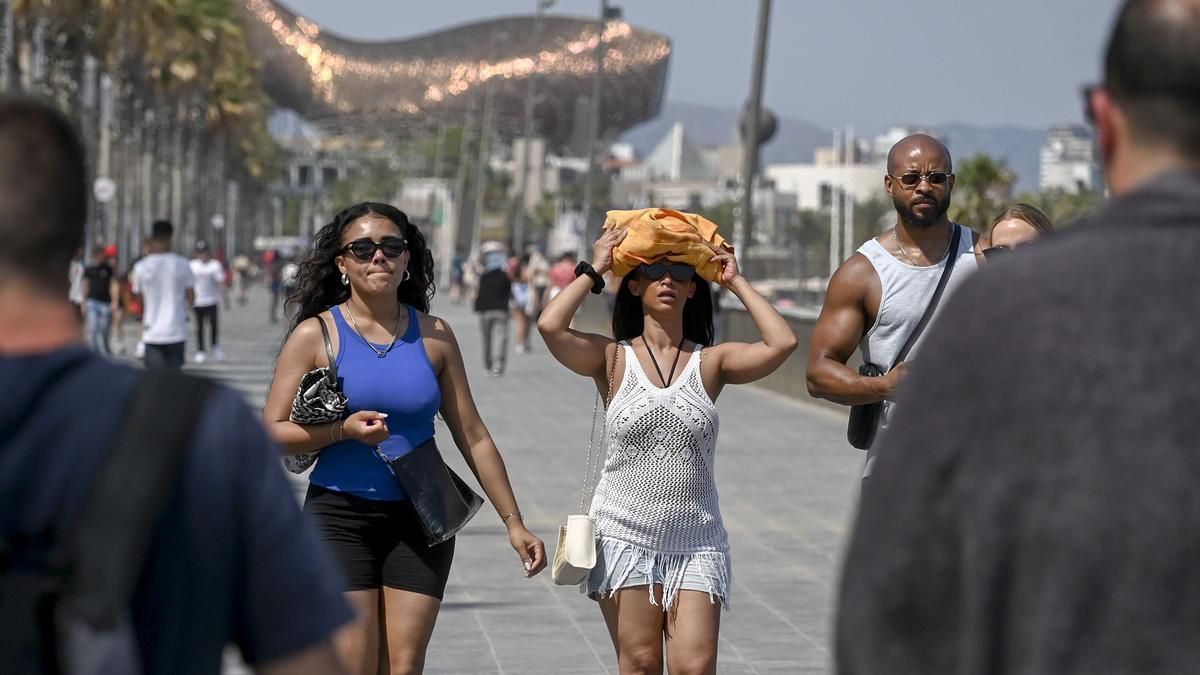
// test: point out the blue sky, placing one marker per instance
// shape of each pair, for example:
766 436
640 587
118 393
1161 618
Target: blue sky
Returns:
867 63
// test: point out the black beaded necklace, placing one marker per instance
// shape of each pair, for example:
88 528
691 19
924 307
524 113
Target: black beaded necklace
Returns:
678 350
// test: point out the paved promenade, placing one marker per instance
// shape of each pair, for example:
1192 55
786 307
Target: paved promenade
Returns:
787 480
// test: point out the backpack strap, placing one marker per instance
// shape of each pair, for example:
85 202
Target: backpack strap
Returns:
105 548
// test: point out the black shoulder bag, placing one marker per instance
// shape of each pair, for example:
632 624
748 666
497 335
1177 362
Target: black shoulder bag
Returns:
71 615
864 418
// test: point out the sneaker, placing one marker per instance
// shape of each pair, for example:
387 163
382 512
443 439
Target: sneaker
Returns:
218 353
200 357
521 349
140 350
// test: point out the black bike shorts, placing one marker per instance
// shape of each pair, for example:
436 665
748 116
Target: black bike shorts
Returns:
379 543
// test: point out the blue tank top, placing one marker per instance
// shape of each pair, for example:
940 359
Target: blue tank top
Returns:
404 385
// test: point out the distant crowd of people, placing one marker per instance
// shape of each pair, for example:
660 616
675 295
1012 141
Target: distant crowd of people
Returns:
1025 397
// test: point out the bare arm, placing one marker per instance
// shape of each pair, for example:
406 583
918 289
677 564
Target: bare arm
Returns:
303 351
475 443
840 327
582 353
190 294
741 362
317 660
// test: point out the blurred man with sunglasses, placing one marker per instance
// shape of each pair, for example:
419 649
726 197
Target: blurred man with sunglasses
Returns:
1036 510
876 299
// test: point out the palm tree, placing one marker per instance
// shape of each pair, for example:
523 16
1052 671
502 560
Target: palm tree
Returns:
983 187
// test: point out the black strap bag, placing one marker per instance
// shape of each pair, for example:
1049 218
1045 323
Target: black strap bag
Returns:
444 502
319 400
864 418
70 613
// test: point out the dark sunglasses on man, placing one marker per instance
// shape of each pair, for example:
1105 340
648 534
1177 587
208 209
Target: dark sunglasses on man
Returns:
912 179
679 271
364 249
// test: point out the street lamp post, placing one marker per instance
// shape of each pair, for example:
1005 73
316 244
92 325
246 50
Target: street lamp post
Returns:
752 139
606 12
530 96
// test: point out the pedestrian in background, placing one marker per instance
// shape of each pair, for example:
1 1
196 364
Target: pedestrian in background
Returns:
518 274
1034 509
163 279
209 276
227 556
75 277
369 280
100 294
492 301
1016 226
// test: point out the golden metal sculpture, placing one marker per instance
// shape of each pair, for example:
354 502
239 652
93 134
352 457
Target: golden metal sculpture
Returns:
427 80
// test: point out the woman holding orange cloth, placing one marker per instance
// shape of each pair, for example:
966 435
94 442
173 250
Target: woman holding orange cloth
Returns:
663 570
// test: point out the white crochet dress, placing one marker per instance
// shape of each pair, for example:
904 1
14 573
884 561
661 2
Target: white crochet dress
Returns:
657 494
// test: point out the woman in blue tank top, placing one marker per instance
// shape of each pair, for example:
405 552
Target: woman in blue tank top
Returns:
370 278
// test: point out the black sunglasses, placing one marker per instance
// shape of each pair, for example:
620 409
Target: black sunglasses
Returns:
913 179
678 271
364 249
1002 250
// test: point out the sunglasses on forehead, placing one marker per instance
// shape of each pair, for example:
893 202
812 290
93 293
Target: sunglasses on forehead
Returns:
658 270
364 249
913 179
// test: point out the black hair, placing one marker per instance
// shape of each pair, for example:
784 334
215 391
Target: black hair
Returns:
1152 70
628 320
318 281
43 187
162 230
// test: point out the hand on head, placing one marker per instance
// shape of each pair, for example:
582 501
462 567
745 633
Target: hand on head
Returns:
602 251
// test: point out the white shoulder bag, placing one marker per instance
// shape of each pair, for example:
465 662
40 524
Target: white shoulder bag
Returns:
576 553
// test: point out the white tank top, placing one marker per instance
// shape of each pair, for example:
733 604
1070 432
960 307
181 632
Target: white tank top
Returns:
658 488
907 290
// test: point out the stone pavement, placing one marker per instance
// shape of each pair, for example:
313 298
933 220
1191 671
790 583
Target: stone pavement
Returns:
787 479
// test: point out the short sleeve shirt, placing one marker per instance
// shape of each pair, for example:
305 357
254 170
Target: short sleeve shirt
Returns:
233 560
162 279
209 277
99 282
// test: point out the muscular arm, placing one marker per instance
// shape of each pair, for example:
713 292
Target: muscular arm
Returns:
841 325
582 353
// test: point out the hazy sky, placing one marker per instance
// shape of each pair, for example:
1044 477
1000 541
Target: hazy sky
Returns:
862 62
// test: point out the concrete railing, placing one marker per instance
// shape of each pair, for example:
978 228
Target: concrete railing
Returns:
734 325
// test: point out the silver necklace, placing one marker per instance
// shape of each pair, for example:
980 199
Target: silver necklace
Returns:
362 338
896 236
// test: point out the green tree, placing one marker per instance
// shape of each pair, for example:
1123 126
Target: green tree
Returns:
982 189
1062 206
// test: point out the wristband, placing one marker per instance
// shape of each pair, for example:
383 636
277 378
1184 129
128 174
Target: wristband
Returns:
597 281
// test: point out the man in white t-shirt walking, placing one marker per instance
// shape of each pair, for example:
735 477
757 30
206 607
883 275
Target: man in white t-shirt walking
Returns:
210 275
165 282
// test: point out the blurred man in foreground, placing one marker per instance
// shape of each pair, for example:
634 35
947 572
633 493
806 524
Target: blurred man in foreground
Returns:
1035 506
135 532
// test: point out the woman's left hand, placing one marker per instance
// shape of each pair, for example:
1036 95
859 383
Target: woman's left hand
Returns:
728 263
531 549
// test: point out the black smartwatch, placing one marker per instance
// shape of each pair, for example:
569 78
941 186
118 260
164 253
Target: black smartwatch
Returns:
597 281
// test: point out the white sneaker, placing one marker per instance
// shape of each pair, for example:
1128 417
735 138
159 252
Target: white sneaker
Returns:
140 350
200 357
218 353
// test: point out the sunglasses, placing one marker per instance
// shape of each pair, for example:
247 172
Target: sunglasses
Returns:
913 179
364 249
1001 250
678 271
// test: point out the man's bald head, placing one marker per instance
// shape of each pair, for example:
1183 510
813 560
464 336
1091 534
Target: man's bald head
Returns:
918 147
1152 71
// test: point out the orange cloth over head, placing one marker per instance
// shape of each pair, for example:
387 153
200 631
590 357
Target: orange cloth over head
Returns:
665 234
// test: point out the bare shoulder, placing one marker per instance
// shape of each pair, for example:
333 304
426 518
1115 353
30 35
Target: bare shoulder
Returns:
434 327
854 278
307 340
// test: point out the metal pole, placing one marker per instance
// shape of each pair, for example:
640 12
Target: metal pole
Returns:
585 244
847 195
6 46
750 151
523 185
485 133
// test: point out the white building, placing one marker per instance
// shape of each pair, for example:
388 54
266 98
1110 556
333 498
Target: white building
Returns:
1068 159
814 184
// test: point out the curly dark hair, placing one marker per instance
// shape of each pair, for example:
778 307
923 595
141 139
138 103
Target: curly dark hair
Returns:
628 321
318 283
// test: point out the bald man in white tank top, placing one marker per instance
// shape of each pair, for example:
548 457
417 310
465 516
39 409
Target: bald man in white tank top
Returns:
877 297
